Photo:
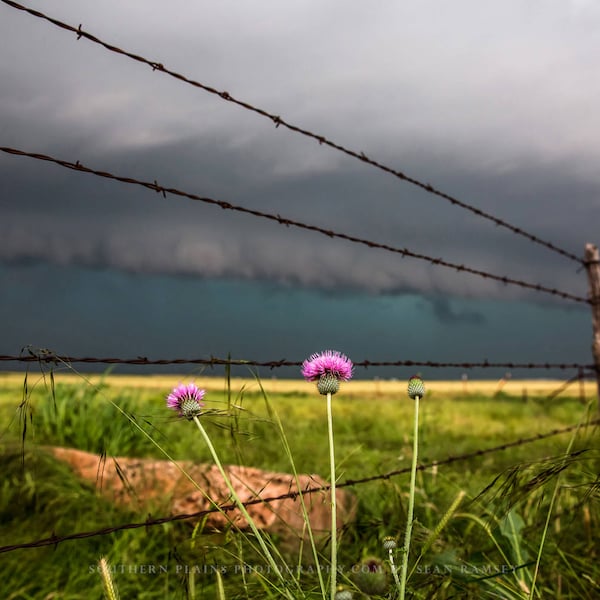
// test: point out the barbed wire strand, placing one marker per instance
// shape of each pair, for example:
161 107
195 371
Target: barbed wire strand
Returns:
280 122
47 356
54 539
154 186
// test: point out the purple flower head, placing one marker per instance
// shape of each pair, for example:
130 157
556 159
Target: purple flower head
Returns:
328 368
186 400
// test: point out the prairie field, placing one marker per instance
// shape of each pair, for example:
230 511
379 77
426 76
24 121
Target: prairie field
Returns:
368 387
517 502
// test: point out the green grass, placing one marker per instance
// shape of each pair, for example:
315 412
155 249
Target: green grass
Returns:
499 522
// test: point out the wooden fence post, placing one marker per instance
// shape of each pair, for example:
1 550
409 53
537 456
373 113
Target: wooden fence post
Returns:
592 266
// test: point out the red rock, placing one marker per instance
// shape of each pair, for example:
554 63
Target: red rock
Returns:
164 486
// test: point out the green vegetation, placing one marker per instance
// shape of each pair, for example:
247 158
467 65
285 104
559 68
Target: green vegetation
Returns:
485 545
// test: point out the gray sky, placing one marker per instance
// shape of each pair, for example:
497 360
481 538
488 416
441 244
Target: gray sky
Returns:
494 103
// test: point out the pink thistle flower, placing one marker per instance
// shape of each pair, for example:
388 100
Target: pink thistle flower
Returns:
328 368
186 400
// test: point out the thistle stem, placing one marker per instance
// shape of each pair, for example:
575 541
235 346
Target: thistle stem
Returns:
411 504
239 503
394 570
333 579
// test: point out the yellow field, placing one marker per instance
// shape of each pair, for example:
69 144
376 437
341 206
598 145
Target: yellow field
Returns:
274 385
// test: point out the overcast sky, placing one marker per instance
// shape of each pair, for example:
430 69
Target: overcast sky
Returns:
496 103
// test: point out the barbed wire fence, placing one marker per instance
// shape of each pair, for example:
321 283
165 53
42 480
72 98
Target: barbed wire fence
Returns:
43 355
590 262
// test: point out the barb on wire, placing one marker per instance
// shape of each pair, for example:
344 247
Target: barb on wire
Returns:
54 539
46 356
154 186
279 122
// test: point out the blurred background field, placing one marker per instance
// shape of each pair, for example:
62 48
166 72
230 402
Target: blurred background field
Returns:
368 387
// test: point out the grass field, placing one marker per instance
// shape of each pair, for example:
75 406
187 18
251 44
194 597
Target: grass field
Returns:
471 553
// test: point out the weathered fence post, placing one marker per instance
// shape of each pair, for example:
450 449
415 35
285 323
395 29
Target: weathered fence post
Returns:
592 265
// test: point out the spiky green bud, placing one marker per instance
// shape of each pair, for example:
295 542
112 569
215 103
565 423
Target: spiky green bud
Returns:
416 387
389 543
328 384
190 408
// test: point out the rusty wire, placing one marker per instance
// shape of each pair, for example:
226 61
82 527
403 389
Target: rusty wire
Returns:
45 356
54 539
154 186
280 122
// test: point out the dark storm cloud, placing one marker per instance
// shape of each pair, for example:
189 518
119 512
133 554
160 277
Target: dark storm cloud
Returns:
507 128
70 218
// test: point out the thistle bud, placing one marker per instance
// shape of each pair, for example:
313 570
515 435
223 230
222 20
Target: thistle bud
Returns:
416 387
370 576
389 543
328 384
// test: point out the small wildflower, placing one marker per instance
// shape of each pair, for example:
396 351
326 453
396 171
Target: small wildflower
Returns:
186 400
416 387
327 368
